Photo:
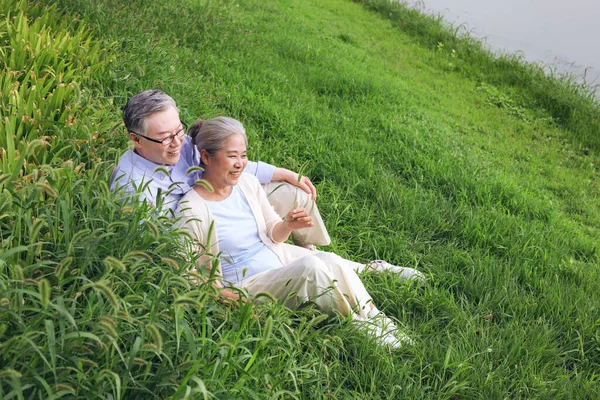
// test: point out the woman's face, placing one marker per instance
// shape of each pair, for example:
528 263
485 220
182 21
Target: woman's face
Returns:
228 163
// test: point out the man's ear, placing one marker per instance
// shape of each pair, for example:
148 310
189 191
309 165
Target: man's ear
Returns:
135 139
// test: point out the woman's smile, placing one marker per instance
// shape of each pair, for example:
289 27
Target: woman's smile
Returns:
225 167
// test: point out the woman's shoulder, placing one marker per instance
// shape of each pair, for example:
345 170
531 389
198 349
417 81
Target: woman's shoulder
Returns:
190 203
191 195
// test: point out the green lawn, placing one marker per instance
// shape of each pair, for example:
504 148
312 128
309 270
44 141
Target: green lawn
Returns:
426 151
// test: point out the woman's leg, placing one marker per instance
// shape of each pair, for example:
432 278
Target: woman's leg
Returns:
366 314
310 279
332 284
334 258
382 266
345 273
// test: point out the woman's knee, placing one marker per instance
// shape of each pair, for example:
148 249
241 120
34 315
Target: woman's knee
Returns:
317 269
303 199
308 267
328 258
334 263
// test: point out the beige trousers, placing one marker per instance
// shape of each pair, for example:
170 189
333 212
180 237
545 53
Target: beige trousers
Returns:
285 197
326 279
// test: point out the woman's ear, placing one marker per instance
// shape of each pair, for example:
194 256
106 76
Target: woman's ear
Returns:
204 156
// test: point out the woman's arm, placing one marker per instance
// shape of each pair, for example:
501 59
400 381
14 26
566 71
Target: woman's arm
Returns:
295 219
194 219
267 219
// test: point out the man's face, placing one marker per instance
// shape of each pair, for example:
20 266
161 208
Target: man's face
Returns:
160 125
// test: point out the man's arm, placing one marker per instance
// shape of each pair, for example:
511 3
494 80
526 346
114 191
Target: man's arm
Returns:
261 170
268 173
285 175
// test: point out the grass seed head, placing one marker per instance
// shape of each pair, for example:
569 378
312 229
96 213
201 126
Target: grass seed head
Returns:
45 290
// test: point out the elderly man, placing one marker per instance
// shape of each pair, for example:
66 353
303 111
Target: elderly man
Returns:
163 165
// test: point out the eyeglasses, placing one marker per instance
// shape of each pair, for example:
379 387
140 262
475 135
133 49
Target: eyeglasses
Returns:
169 139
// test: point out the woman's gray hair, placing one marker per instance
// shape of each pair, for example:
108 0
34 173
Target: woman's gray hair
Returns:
210 135
142 105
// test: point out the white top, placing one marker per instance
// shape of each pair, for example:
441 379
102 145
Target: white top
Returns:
243 254
196 219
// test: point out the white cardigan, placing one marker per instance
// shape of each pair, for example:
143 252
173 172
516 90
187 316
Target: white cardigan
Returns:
197 220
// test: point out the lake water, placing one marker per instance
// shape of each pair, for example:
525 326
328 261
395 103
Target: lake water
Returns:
561 35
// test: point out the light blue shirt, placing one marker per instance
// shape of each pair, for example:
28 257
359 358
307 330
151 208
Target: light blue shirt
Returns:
243 254
138 176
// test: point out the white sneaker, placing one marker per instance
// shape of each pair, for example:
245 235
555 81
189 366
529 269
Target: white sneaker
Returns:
402 272
384 331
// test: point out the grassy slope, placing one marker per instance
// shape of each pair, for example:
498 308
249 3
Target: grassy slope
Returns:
415 163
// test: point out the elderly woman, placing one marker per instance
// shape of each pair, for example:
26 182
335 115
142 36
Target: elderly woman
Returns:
232 219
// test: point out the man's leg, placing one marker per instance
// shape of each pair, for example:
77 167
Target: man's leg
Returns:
284 197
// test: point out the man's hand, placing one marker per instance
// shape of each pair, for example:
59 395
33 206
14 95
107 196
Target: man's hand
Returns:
305 184
282 174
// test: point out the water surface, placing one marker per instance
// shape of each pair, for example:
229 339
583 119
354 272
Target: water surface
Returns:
561 35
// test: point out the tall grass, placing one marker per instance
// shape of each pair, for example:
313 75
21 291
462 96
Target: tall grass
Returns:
47 115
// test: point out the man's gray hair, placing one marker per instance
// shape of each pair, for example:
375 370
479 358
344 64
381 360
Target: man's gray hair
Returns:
142 105
210 135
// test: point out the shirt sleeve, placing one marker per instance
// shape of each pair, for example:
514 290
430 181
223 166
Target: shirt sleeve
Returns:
261 170
128 188
136 179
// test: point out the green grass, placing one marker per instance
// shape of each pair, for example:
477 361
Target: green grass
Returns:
479 171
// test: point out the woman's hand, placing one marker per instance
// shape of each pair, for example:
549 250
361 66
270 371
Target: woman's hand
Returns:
298 219
295 219
231 298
